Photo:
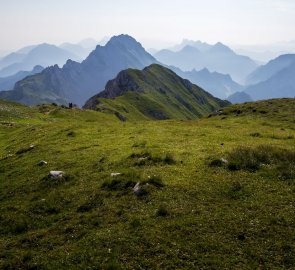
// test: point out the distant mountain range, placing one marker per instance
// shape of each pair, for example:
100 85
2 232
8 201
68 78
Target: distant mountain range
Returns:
201 46
265 72
199 55
239 97
217 84
76 82
276 79
8 83
28 57
154 93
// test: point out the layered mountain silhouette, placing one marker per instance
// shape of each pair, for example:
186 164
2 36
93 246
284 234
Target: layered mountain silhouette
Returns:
280 85
27 58
265 72
201 46
154 93
218 57
83 48
7 83
239 97
217 84
276 79
76 82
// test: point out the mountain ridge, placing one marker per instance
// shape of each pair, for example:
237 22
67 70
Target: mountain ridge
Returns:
156 92
217 57
76 82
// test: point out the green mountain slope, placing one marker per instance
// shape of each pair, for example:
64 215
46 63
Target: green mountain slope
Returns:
154 93
192 211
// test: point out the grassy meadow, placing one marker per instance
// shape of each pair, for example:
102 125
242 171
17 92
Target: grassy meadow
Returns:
216 193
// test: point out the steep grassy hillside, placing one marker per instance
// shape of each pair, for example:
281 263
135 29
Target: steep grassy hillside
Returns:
154 93
214 193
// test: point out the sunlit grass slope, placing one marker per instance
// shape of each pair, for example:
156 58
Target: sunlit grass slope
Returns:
201 205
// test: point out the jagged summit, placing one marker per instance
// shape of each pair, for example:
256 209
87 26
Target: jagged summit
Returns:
221 48
189 49
76 82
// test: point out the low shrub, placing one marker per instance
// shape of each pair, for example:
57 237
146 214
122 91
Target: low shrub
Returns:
256 134
252 159
155 181
121 182
216 163
91 203
71 134
146 158
162 211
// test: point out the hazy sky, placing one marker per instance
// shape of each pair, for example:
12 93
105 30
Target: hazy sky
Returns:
155 23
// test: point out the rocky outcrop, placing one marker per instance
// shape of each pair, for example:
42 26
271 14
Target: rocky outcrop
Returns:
120 85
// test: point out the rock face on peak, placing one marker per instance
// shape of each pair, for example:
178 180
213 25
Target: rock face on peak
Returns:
76 82
120 85
155 92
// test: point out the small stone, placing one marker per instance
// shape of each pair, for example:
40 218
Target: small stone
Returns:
136 189
42 163
223 160
56 174
115 174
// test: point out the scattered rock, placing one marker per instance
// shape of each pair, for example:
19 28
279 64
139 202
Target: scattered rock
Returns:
223 160
136 189
121 117
24 150
115 174
42 163
56 174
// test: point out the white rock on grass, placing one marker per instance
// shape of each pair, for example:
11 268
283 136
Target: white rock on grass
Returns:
56 174
223 160
42 163
115 174
136 189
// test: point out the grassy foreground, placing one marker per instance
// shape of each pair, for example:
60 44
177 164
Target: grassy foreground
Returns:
216 193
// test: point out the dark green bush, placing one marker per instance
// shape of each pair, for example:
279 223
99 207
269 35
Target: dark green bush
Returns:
71 134
216 163
147 158
252 159
256 134
122 182
91 203
162 211
155 181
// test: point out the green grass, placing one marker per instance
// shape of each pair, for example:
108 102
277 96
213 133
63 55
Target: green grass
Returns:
191 215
